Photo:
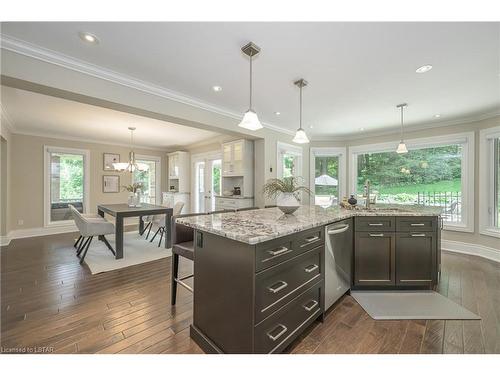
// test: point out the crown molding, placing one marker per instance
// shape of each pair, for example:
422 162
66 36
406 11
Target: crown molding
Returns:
52 57
396 130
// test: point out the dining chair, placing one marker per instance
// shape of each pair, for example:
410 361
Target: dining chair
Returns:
182 246
160 221
88 216
89 228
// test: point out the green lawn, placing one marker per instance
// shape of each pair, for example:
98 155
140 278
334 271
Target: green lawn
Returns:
441 186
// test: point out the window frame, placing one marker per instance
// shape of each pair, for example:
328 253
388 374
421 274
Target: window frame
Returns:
157 160
46 183
341 153
487 181
467 162
285 148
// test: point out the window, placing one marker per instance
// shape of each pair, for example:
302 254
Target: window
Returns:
489 182
66 182
289 160
150 179
435 172
327 180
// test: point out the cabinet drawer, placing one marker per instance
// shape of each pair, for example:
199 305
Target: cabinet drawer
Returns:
274 252
278 285
416 224
286 323
309 239
375 224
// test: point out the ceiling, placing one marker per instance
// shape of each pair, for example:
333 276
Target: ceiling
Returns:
51 116
357 72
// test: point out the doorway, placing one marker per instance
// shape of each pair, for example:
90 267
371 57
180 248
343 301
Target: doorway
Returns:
207 182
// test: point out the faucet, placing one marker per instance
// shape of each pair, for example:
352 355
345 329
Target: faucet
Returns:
367 194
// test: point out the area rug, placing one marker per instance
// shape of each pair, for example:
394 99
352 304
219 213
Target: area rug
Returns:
397 305
136 250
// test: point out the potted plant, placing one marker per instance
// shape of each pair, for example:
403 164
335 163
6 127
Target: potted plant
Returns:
134 196
286 191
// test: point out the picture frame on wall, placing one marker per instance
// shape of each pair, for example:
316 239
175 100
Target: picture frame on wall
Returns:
110 184
109 159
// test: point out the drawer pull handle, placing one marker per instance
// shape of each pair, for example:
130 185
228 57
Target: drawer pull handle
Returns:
275 288
418 235
310 305
375 224
279 334
417 224
376 234
338 230
311 239
311 268
278 251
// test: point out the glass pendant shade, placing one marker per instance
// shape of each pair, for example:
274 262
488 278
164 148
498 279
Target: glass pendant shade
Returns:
402 148
250 121
300 137
132 165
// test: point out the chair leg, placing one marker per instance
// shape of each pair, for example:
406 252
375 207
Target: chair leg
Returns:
152 239
86 249
77 242
149 230
105 240
161 236
173 278
146 227
82 246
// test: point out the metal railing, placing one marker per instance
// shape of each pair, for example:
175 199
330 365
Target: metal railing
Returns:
451 203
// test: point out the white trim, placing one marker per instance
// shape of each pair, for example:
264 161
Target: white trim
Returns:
341 152
5 240
52 57
157 160
202 157
282 148
471 249
486 176
468 160
46 182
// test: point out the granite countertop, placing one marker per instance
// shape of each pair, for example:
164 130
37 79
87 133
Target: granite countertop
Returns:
255 226
233 196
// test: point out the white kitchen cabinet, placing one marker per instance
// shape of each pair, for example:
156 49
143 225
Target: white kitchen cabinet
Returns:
230 203
169 199
179 172
238 166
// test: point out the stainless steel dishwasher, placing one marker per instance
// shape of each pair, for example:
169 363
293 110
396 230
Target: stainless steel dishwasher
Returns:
338 260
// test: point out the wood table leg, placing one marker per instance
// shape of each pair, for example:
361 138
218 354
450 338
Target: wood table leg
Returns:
119 237
168 230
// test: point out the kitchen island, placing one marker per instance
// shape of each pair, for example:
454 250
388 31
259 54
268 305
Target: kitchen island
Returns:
260 275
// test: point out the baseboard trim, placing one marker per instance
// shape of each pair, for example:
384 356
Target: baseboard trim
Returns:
486 252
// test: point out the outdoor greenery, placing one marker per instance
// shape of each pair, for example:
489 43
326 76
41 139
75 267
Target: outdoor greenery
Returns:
400 177
288 165
216 178
70 177
328 165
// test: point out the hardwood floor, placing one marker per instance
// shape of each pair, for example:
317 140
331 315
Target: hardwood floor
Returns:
51 303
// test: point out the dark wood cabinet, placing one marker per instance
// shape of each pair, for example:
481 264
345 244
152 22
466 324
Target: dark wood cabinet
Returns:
374 258
415 258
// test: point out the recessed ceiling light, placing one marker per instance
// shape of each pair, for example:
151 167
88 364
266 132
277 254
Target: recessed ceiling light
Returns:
88 37
277 113
310 126
361 129
423 69
437 115
217 88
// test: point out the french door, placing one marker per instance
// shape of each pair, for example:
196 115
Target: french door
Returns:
207 183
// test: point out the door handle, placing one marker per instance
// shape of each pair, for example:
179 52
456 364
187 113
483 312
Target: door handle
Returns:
338 230
375 224
376 234
311 268
417 224
279 334
310 305
275 288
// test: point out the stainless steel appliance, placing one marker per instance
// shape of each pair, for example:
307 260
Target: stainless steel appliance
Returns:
338 260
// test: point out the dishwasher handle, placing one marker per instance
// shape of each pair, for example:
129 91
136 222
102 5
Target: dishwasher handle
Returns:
338 230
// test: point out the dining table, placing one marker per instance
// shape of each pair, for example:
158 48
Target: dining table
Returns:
122 210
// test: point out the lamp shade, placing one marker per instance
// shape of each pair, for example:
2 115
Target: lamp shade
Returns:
300 137
402 148
250 121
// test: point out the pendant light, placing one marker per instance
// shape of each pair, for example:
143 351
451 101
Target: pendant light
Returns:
402 146
132 165
300 135
250 120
